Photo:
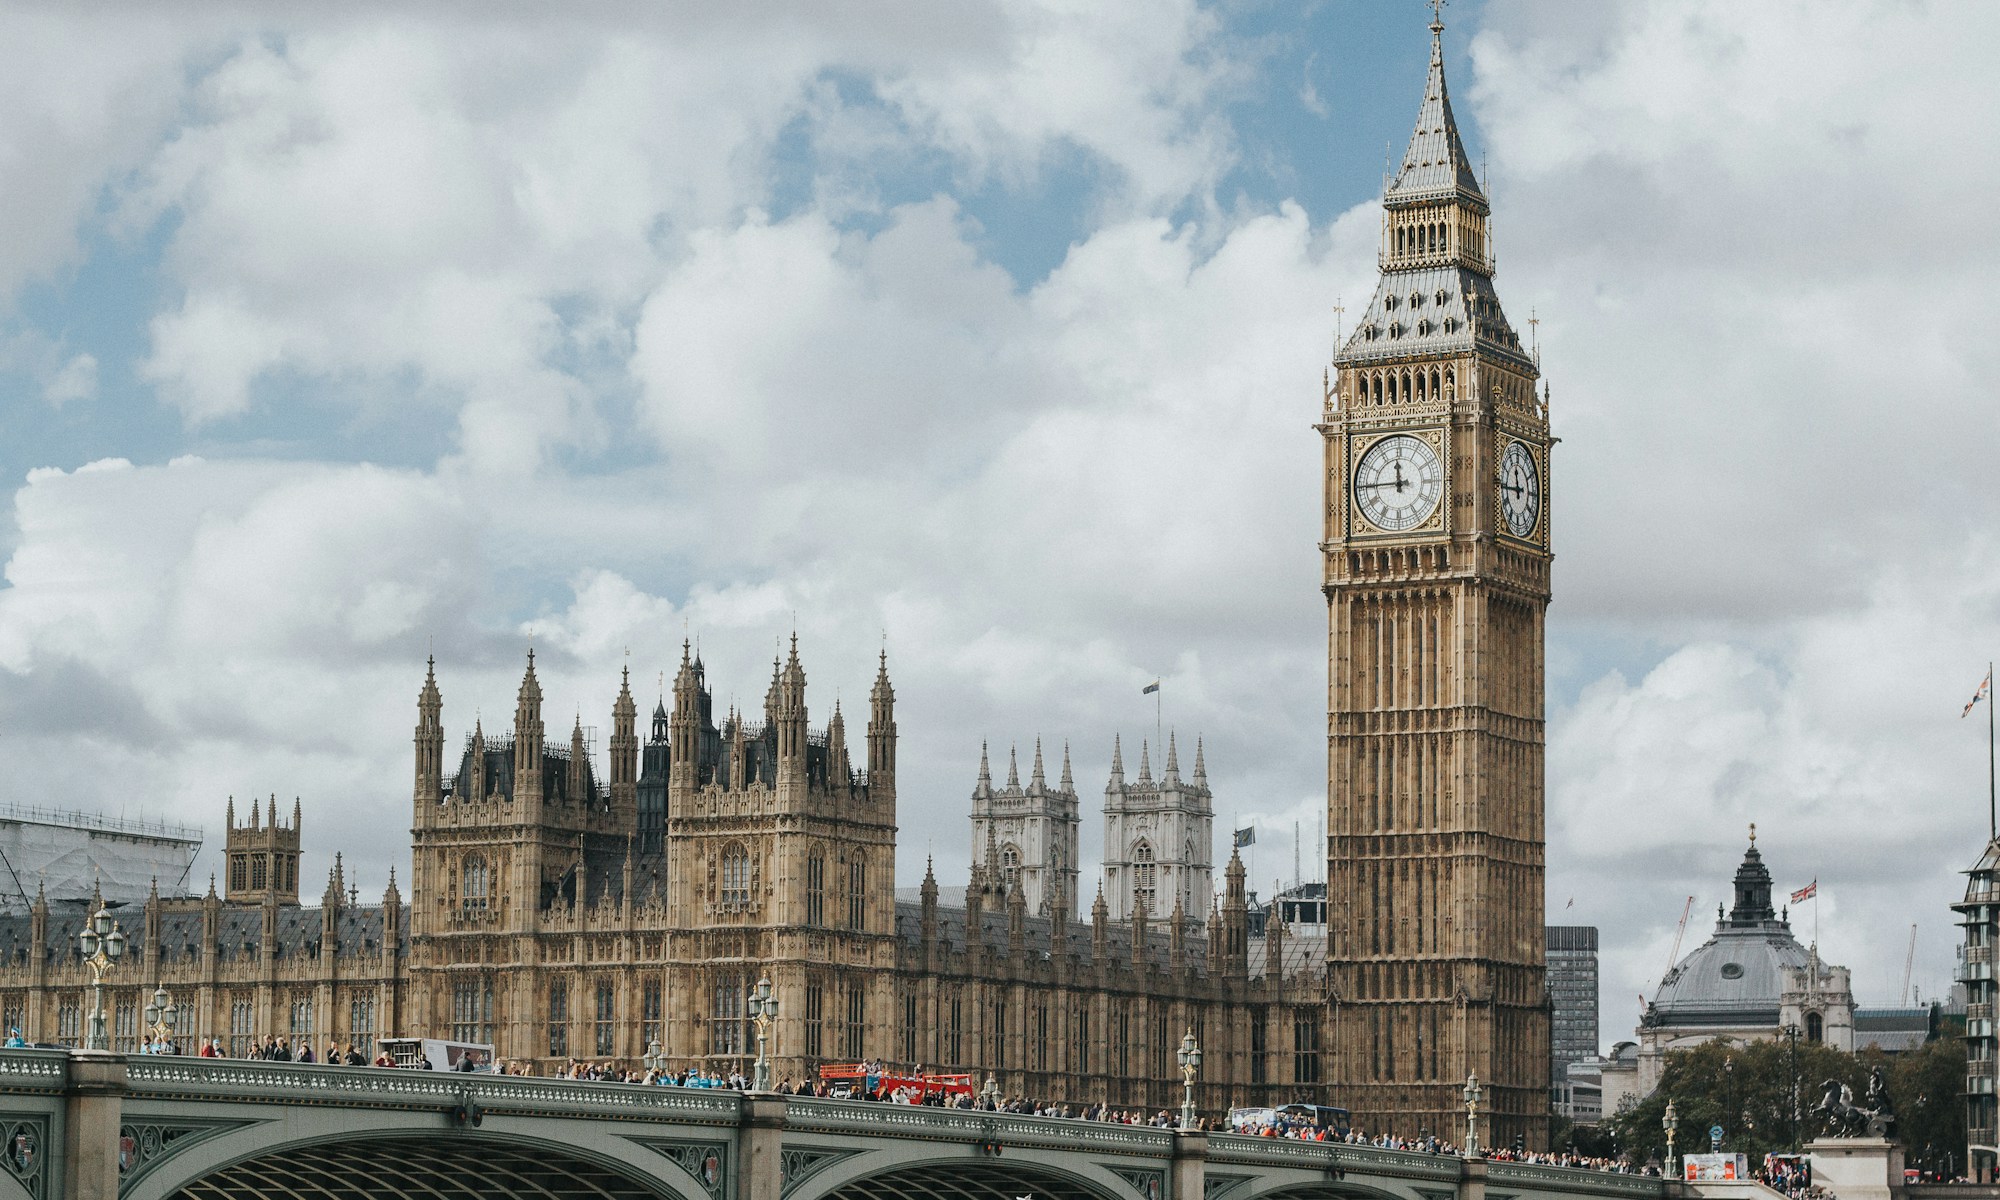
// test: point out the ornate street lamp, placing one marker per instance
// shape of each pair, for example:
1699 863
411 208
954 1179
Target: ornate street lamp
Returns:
161 1017
1190 1060
1471 1094
1671 1122
1792 1047
991 1093
763 1010
655 1059
103 944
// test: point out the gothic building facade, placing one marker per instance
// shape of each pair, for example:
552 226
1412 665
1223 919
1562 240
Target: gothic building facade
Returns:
1436 573
559 911
566 904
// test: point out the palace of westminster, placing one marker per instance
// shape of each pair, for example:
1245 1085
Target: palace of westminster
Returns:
562 909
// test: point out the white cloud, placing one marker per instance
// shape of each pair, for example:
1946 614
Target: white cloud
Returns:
567 239
76 381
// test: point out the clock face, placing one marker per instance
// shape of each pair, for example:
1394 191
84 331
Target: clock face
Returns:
1520 490
1398 483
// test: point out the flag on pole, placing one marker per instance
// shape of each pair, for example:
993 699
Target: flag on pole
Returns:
1572 903
1982 692
1150 688
1246 837
1806 893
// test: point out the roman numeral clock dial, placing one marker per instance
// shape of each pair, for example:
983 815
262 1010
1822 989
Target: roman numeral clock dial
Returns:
1398 482
1520 490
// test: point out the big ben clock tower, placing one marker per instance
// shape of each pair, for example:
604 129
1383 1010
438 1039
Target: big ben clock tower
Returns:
1436 551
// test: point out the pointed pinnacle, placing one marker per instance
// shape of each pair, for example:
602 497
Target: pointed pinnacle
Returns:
1013 769
1036 778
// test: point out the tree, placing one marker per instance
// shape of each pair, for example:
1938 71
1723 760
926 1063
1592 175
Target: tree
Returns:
1760 1094
1926 1086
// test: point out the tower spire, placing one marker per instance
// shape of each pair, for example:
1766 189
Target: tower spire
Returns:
1013 771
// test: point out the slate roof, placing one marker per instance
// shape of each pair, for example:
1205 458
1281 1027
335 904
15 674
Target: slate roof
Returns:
1438 320
1435 166
239 931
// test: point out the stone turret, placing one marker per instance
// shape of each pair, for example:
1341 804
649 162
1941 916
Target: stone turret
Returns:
262 857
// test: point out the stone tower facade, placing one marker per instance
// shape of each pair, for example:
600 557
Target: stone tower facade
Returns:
1159 838
1436 550
263 857
1028 835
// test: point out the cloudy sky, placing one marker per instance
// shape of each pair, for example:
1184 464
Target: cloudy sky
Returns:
994 330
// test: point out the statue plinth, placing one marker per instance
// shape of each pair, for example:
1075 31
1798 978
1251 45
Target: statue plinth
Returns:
1858 1168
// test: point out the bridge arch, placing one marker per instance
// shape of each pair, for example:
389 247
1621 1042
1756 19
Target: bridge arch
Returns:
391 1159
894 1175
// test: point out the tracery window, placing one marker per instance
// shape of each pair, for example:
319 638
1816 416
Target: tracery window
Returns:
69 1021
1143 878
815 1020
472 1011
815 886
473 897
1010 864
726 1027
735 875
242 1026
559 1019
125 1025
607 1008
259 871
650 1005
857 893
302 1014
857 1015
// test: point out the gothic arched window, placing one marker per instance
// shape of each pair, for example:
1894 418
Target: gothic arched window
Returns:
857 893
473 894
735 874
1143 874
1010 864
1815 1027
815 886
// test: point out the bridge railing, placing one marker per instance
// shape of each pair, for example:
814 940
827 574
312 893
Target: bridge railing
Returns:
1574 1179
23 1070
1244 1148
255 1081
964 1124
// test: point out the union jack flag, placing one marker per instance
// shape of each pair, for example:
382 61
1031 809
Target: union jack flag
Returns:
1979 693
1806 893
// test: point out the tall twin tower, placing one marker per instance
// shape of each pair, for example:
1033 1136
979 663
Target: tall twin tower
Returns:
1436 554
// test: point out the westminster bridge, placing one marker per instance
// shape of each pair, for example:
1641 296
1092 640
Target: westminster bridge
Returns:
93 1126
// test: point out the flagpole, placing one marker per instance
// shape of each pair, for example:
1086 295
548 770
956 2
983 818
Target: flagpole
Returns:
1990 831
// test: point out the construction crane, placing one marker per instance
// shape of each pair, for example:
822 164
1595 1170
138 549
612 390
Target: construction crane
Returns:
1909 965
1674 955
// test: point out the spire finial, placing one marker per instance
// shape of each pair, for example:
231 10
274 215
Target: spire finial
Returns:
1437 30
1753 833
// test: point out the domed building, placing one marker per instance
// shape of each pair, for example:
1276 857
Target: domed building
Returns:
1748 982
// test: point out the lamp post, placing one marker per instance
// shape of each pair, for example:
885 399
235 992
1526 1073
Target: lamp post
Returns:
161 1017
1792 1050
763 1010
1190 1060
1671 1122
655 1059
1471 1094
103 944
990 1094
1735 1097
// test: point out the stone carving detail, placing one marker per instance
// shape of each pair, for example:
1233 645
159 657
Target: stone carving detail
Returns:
1215 1187
1147 1185
707 1163
799 1165
27 1151
143 1145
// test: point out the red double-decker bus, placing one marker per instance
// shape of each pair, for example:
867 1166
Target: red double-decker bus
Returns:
854 1080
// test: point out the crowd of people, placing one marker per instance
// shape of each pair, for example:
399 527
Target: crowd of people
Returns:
871 1087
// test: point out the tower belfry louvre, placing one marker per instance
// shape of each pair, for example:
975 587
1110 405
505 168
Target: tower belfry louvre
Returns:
1436 558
